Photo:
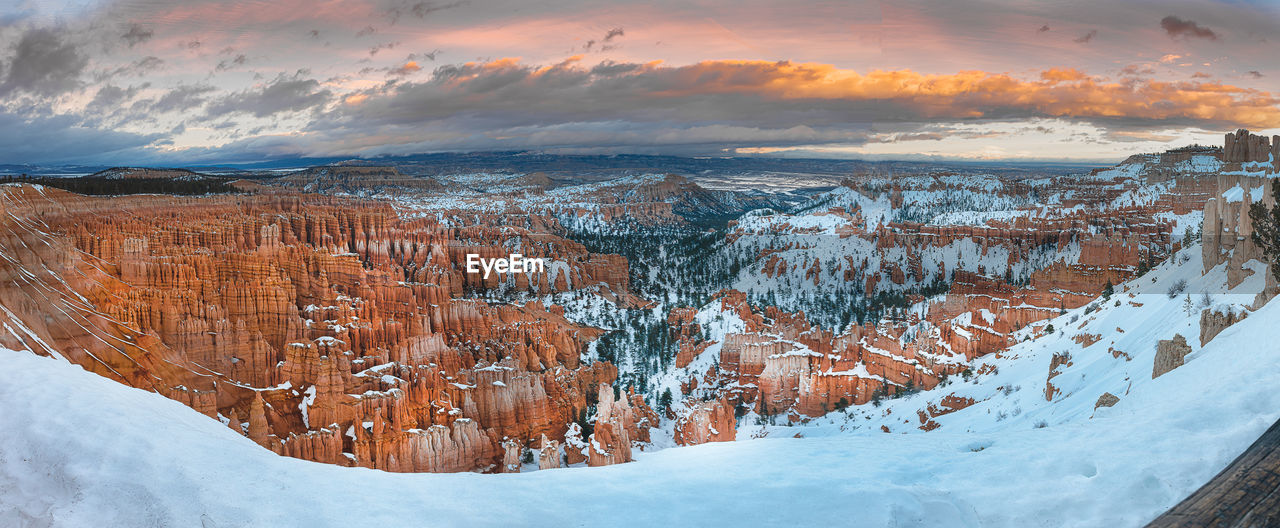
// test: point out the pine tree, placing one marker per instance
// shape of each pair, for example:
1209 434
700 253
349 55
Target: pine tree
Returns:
1266 229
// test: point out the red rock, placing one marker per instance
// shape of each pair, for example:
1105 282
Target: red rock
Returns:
279 307
711 421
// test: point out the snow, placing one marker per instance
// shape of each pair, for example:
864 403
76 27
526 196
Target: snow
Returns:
81 450
306 404
1236 194
1199 164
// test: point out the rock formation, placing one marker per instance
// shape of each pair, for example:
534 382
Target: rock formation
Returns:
1227 230
1169 355
711 421
340 328
618 422
1213 322
548 454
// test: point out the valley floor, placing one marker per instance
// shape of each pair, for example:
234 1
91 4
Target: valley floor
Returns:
80 450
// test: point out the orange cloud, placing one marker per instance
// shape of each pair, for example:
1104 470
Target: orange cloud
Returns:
1063 75
831 103
972 94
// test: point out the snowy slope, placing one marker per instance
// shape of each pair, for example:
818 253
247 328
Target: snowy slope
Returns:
81 450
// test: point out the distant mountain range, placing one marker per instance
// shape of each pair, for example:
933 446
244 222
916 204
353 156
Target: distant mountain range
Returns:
579 165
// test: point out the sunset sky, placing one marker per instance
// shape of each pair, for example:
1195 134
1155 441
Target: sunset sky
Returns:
202 81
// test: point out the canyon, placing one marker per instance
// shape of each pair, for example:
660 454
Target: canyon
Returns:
329 314
323 328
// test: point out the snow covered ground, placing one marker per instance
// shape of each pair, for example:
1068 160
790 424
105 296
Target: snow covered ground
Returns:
81 450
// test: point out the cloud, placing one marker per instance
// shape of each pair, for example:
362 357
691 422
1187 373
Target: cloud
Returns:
399 104
506 104
139 67
379 47
62 139
721 86
110 96
606 40
430 55
43 63
419 9
225 65
1063 75
179 99
137 35
422 9
1138 70
405 69
1177 27
283 94
1255 74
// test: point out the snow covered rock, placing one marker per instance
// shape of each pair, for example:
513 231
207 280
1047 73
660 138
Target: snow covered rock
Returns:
510 456
549 454
711 421
1213 322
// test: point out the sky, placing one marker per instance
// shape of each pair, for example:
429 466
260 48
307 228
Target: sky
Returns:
202 81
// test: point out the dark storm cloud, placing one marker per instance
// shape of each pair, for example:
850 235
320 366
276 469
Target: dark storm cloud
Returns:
137 35
43 63
283 94
63 139
1177 27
